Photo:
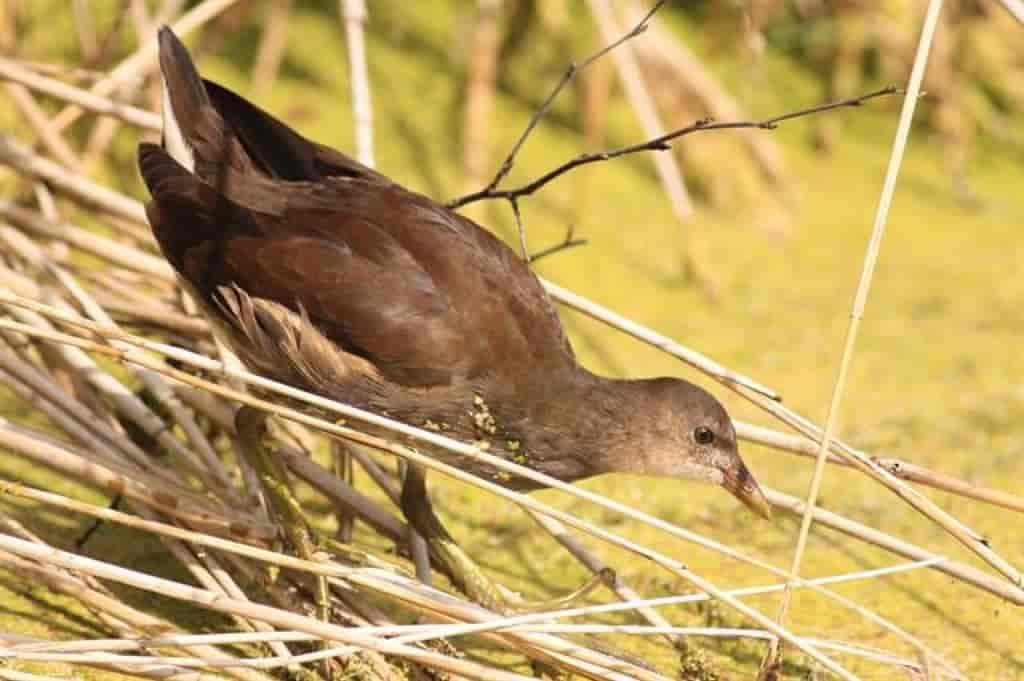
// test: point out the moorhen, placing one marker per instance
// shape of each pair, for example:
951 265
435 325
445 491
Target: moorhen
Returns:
326 275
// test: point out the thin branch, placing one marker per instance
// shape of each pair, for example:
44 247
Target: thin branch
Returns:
566 243
567 77
660 143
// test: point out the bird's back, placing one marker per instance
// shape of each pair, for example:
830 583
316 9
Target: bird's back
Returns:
410 293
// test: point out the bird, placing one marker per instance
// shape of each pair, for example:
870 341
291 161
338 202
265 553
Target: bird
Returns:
326 275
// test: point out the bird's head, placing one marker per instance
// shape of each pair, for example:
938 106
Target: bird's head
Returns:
688 434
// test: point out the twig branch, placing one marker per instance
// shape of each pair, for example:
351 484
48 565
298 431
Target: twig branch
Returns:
660 143
566 243
570 73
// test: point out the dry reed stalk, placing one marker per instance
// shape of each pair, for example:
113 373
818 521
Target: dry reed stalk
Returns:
112 449
77 420
209 600
40 124
338 491
117 515
402 431
103 133
865 464
76 74
57 416
105 129
805 447
110 610
756 433
695 359
1015 8
77 187
772 661
131 407
390 572
16 72
158 389
354 17
85 30
207 572
76 651
113 514
288 561
142 465
596 566
272 47
481 77
542 646
179 503
151 316
15 675
961 571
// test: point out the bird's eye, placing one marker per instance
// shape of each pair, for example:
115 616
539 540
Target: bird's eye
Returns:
703 435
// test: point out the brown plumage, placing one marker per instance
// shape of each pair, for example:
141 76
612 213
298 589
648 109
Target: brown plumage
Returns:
326 275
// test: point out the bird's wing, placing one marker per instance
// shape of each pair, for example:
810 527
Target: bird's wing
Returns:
427 297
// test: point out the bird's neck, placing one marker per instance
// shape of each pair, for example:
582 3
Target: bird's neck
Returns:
595 425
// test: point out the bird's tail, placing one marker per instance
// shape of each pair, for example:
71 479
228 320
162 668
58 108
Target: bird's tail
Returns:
184 99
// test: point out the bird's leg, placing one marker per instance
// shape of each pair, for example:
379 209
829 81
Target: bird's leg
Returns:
465 572
251 426
419 549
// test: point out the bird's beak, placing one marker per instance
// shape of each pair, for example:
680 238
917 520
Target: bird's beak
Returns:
743 486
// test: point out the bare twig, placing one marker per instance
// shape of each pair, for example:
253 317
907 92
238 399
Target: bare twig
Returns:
566 243
570 73
661 143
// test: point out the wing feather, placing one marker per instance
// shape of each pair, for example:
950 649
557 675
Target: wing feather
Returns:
425 296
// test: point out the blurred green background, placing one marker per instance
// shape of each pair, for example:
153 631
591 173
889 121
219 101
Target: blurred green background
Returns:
760 276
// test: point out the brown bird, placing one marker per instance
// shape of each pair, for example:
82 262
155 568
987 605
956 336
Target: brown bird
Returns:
326 275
